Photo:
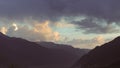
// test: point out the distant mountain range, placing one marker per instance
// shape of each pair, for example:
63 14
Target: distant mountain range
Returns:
105 56
66 48
20 53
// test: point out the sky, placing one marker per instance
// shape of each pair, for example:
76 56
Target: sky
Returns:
79 23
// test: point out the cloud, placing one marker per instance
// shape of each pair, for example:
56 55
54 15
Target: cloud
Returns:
36 32
88 43
56 36
63 25
3 30
94 26
54 9
16 27
99 39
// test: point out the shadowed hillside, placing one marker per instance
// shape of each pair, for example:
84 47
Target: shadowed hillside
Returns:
105 56
20 53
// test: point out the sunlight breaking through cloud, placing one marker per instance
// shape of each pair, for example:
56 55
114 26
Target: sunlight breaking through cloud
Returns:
34 32
3 30
16 27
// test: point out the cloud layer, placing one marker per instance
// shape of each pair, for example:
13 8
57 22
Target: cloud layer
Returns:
36 32
88 43
94 26
53 9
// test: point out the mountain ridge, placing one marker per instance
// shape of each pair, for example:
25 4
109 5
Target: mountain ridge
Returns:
21 53
101 56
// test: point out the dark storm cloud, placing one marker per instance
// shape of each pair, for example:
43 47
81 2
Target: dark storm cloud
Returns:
53 9
38 9
91 25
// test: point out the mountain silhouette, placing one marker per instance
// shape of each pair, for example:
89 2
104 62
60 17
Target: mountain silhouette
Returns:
20 53
105 56
66 48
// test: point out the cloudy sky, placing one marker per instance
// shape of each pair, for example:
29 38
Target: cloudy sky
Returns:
80 23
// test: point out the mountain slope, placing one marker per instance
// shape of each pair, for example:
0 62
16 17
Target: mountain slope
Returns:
20 52
104 56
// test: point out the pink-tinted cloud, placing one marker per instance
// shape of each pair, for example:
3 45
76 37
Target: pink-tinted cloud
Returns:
3 30
36 32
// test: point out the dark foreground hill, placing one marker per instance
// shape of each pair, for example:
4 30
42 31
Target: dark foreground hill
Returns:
20 53
105 56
